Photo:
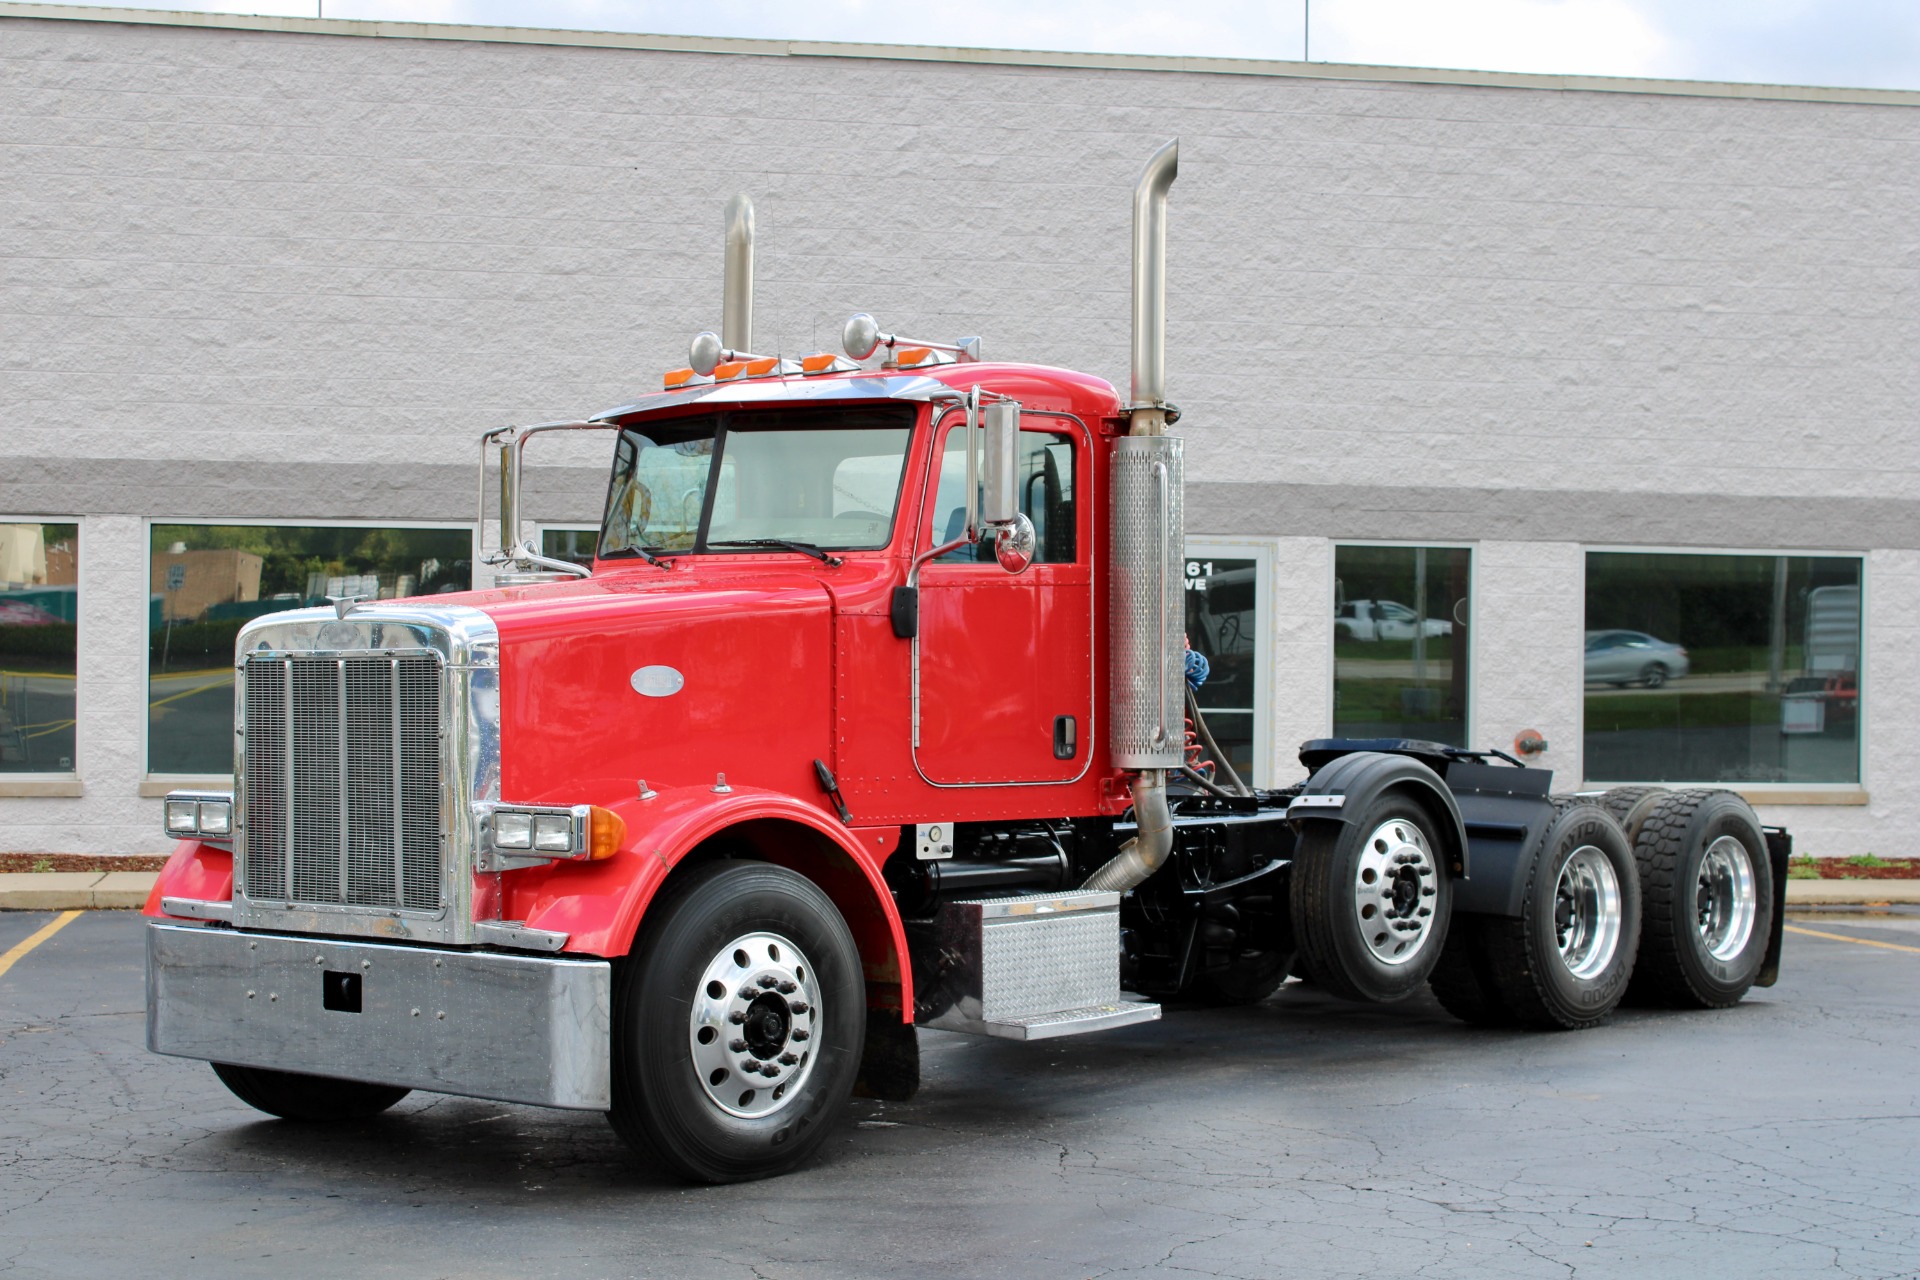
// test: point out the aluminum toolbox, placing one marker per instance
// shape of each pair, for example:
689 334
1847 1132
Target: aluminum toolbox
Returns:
1024 968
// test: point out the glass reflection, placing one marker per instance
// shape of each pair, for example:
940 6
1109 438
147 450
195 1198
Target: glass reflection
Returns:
1400 643
1221 596
208 581
1722 668
39 624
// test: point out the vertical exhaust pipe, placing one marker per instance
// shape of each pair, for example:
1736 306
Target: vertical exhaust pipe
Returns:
1147 611
1150 290
736 305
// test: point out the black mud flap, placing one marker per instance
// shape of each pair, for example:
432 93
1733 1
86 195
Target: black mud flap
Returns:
890 1065
1779 854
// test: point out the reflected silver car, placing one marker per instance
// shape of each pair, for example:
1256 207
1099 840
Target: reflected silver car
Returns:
1633 657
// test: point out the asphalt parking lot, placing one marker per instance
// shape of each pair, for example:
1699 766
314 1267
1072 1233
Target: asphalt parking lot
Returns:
1302 1137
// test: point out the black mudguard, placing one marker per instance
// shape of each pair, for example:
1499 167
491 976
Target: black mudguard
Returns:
1779 854
1358 779
1506 813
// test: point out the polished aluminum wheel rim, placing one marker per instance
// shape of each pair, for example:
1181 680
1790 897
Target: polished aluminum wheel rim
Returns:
1393 892
1727 898
1586 912
755 1011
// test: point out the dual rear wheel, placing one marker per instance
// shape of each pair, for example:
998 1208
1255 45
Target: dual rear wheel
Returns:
1640 894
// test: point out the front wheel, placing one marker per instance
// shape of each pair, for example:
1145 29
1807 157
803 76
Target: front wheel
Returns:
293 1096
1653 675
739 1023
1371 900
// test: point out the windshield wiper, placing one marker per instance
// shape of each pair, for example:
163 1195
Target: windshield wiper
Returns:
784 544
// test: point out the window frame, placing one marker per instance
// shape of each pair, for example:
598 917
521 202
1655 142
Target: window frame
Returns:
159 784
1472 709
1081 454
1835 793
1261 552
56 783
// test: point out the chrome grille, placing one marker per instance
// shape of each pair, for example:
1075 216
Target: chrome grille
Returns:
342 798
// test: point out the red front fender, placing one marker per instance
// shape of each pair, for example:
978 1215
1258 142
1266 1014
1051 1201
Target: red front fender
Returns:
599 905
195 870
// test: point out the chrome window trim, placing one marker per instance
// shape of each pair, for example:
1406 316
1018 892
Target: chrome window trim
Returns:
466 643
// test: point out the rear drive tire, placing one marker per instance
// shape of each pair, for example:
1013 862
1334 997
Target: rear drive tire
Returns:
1707 893
293 1096
1630 807
1371 899
739 1022
1566 962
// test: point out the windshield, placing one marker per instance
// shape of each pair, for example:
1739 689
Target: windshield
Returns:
824 477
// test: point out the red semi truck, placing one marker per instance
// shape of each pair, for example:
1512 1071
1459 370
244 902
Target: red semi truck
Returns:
872 712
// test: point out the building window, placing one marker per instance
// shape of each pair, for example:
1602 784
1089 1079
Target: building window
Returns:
209 580
1227 608
39 621
573 543
1722 668
1400 643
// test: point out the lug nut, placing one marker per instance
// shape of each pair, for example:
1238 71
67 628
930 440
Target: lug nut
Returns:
750 1066
788 988
768 981
737 1046
788 1059
736 1017
798 1006
802 1035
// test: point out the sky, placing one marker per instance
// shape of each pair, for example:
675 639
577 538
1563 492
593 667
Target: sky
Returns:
1848 43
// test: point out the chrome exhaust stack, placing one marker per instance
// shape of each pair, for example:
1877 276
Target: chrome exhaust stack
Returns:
1147 611
736 304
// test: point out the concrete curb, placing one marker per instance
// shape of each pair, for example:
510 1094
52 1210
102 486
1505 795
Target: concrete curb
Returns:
97 890
74 890
1850 893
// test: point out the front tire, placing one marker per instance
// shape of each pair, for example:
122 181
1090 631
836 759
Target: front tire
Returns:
739 1024
315 1099
1371 899
1653 675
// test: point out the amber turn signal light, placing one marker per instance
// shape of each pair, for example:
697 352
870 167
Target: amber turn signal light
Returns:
606 832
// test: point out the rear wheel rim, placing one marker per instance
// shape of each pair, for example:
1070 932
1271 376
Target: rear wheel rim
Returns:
1586 912
1394 888
1726 898
752 1025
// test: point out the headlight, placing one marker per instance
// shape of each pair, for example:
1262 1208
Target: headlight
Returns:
183 817
512 830
207 815
553 833
582 831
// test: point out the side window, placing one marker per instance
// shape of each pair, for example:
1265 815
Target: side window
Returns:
1045 469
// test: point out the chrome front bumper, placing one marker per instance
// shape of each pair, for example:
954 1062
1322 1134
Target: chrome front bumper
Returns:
485 1025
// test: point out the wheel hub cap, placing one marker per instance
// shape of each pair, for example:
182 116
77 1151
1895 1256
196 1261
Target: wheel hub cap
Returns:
1725 899
1394 890
752 1023
1586 912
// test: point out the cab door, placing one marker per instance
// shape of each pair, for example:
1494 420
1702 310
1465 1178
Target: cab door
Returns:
1003 662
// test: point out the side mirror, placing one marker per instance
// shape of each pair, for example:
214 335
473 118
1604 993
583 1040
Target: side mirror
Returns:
1013 534
1000 474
